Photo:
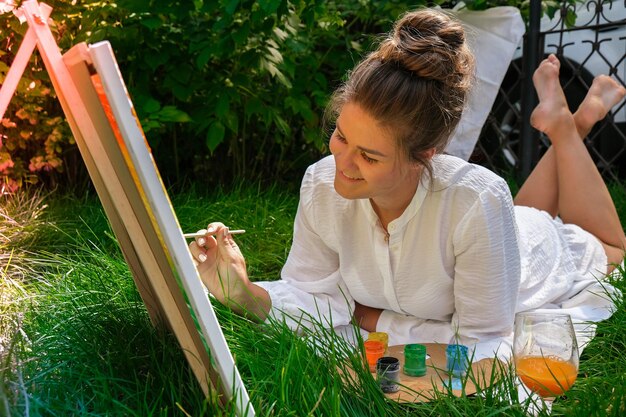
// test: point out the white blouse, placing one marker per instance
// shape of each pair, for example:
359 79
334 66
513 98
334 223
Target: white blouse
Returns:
450 272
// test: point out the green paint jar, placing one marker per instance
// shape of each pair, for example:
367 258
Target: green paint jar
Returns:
415 360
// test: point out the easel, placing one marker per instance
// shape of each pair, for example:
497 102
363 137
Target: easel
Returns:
111 142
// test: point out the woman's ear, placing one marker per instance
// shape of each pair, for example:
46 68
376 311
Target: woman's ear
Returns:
428 154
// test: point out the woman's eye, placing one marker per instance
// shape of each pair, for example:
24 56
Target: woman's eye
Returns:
340 138
368 159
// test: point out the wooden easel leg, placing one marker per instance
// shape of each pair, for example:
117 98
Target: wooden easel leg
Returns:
19 63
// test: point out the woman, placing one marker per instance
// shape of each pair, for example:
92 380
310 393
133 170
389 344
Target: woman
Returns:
421 245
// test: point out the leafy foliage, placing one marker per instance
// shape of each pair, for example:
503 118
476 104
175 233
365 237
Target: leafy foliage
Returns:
251 79
224 88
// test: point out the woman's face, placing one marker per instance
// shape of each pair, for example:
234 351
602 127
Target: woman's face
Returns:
368 162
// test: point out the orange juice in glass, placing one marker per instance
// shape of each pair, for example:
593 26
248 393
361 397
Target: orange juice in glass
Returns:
548 377
545 352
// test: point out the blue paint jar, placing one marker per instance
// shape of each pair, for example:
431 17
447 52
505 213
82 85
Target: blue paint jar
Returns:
457 360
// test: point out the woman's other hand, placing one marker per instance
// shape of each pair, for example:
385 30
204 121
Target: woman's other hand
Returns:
366 317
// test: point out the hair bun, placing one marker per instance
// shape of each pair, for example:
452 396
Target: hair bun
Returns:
430 44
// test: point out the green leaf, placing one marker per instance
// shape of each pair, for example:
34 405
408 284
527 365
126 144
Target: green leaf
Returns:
155 59
222 106
283 79
181 73
269 6
282 124
570 18
152 22
150 105
232 122
181 91
274 55
151 125
172 114
321 80
215 136
275 72
231 7
253 106
240 36
222 23
203 57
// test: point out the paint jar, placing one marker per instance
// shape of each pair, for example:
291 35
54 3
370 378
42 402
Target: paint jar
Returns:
456 360
388 373
380 336
374 350
415 360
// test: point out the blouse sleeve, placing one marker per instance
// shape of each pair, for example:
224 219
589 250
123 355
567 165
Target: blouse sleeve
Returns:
486 282
311 290
487 270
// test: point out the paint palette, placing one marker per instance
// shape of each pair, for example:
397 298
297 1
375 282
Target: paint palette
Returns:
422 388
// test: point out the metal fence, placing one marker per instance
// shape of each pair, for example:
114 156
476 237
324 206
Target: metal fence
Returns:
592 44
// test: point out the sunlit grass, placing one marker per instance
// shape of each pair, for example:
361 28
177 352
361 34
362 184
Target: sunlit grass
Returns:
75 337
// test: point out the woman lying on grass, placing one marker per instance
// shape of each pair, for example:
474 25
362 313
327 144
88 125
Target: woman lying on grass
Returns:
394 234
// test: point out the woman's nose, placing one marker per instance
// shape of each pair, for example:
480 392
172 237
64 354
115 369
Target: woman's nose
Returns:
347 157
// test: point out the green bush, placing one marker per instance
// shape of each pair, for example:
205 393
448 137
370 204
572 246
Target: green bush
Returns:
223 88
248 79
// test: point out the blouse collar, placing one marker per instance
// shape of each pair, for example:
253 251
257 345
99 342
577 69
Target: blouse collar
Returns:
408 214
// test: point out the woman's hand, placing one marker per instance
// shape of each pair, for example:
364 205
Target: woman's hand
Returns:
222 269
366 317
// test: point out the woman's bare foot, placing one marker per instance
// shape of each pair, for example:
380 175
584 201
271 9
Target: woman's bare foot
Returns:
552 112
604 93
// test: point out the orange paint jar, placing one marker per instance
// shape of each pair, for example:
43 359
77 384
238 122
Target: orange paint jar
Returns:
374 350
380 336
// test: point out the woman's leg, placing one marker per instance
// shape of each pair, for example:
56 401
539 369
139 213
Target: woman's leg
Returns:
540 190
583 198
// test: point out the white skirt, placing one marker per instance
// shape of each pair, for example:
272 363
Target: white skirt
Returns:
563 270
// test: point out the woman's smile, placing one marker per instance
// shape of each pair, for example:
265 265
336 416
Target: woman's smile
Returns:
350 177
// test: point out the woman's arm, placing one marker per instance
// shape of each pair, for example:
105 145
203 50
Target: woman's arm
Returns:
487 269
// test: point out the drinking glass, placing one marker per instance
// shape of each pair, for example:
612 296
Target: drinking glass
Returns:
545 353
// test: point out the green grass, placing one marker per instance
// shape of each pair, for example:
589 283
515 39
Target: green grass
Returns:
75 337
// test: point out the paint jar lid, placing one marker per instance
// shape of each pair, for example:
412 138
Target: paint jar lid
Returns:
457 350
387 364
415 349
382 336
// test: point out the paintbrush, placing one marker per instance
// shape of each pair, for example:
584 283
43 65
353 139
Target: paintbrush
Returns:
204 233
